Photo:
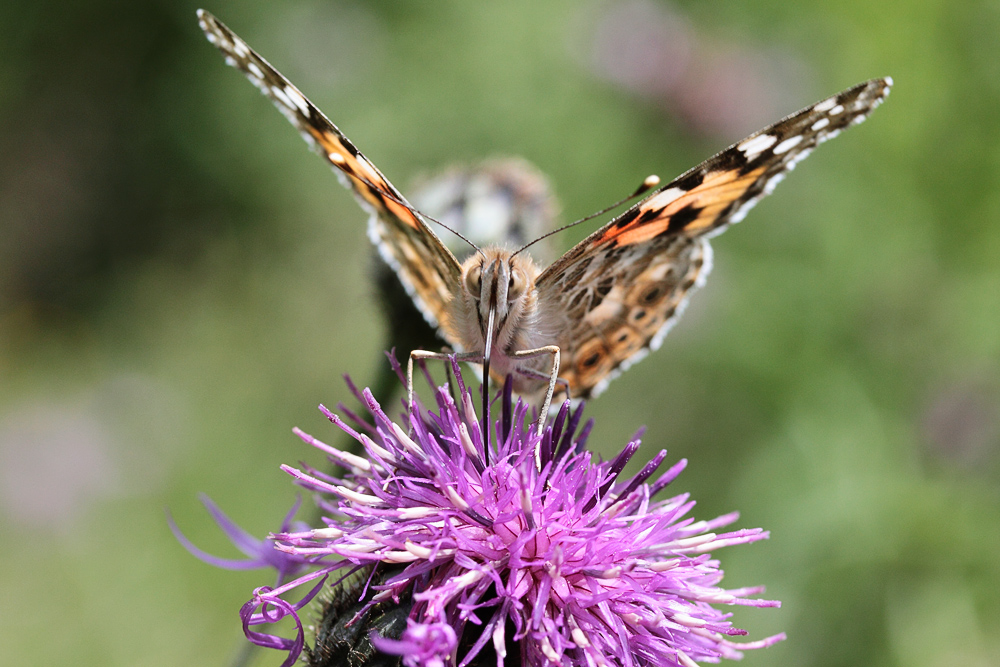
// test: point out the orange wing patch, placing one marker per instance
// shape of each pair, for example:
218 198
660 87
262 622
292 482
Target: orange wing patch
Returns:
673 211
368 181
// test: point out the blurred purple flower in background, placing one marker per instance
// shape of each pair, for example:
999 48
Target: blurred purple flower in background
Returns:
961 422
565 563
714 86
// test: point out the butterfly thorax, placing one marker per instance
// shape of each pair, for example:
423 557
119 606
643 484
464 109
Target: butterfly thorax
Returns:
498 286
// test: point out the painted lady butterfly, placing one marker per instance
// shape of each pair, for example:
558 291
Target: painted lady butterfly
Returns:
607 302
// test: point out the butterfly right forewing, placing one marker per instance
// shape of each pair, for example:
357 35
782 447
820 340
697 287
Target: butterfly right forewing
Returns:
427 269
615 295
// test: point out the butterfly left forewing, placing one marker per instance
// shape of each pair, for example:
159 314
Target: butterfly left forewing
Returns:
615 295
427 269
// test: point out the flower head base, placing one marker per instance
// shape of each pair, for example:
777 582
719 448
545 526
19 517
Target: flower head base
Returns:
562 562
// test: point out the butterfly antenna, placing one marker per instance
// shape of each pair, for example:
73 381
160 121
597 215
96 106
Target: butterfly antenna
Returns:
409 207
648 183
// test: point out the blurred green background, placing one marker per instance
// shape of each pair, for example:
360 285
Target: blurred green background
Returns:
181 282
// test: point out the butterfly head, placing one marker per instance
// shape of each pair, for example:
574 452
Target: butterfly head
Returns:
498 288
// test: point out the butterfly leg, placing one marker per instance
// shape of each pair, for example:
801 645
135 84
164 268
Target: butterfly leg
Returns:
552 377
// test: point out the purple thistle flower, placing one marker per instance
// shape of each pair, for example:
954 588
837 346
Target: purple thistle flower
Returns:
422 644
563 562
261 553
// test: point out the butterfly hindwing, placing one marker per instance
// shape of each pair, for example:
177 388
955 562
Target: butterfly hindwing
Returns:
617 303
426 267
617 293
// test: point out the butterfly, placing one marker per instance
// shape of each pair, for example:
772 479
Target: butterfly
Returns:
610 299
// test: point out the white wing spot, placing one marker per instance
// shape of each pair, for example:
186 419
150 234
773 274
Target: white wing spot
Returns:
253 69
241 48
826 105
839 109
296 97
802 155
820 124
788 144
753 147
773 183
279 95
661 199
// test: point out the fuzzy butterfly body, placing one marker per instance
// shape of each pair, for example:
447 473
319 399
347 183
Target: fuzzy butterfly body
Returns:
609 300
